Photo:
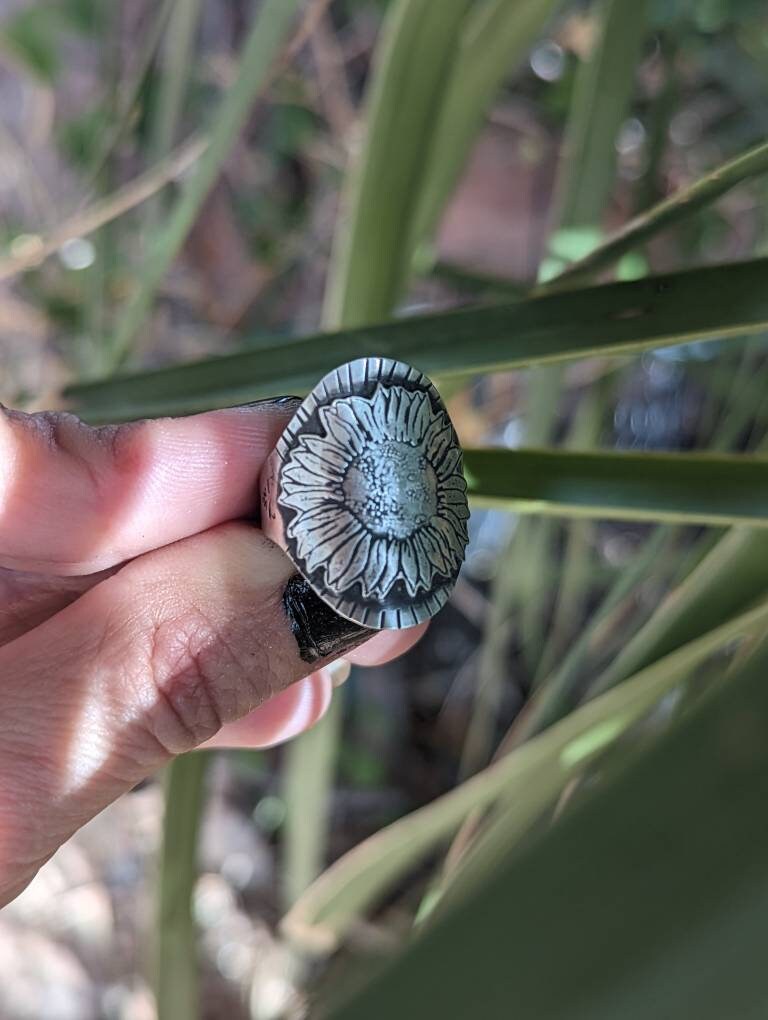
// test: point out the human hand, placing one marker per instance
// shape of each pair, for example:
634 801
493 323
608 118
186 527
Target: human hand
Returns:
140 617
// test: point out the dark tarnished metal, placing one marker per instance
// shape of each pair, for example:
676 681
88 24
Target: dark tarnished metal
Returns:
365 492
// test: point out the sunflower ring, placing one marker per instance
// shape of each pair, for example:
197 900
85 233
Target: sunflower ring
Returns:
365 492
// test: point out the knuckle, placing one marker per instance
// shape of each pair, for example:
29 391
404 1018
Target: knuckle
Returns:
205 673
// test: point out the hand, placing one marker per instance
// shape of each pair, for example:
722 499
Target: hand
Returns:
139 617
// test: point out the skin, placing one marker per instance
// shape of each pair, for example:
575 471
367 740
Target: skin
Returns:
140 615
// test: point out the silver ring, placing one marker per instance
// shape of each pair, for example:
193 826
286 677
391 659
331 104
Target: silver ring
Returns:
366 494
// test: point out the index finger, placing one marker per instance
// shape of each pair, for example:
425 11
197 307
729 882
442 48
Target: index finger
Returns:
76 500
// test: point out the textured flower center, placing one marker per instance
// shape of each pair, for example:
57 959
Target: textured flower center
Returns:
392 489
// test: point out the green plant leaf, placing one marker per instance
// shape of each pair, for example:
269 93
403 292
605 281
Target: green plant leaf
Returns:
672 210
716 489
307 778
730 578
175 955
621 318
533 773
497 35
262 46
603 92
375 239
648 900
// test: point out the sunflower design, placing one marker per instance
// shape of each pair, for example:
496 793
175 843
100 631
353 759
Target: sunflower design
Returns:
377 496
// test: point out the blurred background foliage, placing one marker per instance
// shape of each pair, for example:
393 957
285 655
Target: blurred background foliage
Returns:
554 806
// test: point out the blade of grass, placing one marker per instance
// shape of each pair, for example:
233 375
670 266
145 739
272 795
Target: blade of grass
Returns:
665 214
603 92
732 576
602 95
554 697
698 488
648 899
178 50
496 37
130 93
576 574
360 878
175 956
616 319
263 45
89 220
310 765
374 240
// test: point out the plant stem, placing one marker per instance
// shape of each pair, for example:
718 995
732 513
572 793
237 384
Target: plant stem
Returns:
176 969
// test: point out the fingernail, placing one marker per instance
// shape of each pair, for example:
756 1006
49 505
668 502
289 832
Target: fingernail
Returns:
281 402
313 699
339 671
318 629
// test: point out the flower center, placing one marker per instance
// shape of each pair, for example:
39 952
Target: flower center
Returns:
392 489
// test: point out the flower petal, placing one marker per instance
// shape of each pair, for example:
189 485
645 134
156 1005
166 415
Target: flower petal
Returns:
377 564
346 435
449 465
391 569
342 558
450 540
452 497
363 414
410 571
305 500
381 411
357 563
426 567
336 550
317 465
328 450
433 546
420 417
439 438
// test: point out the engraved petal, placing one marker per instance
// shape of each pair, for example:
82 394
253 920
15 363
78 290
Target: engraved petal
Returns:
434 547
300 475
363 413
421 415
357 564
439 438
341 559
377 564
400 406
328 450
309 499
391 568
426 567
450 539
449 465
318 465
452 497
381 411
335 550
410 571
346 435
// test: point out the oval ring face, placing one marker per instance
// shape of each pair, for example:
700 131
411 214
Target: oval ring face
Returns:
372 495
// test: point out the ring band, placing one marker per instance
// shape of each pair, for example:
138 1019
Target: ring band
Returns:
365 493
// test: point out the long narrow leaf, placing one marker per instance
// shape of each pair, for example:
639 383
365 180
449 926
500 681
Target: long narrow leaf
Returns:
175 957
649 900
496 37
375 238
603 91
261 48
660 217
359 879
622 318
701 488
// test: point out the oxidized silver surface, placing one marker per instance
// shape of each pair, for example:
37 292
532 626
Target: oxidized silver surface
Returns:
365 492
